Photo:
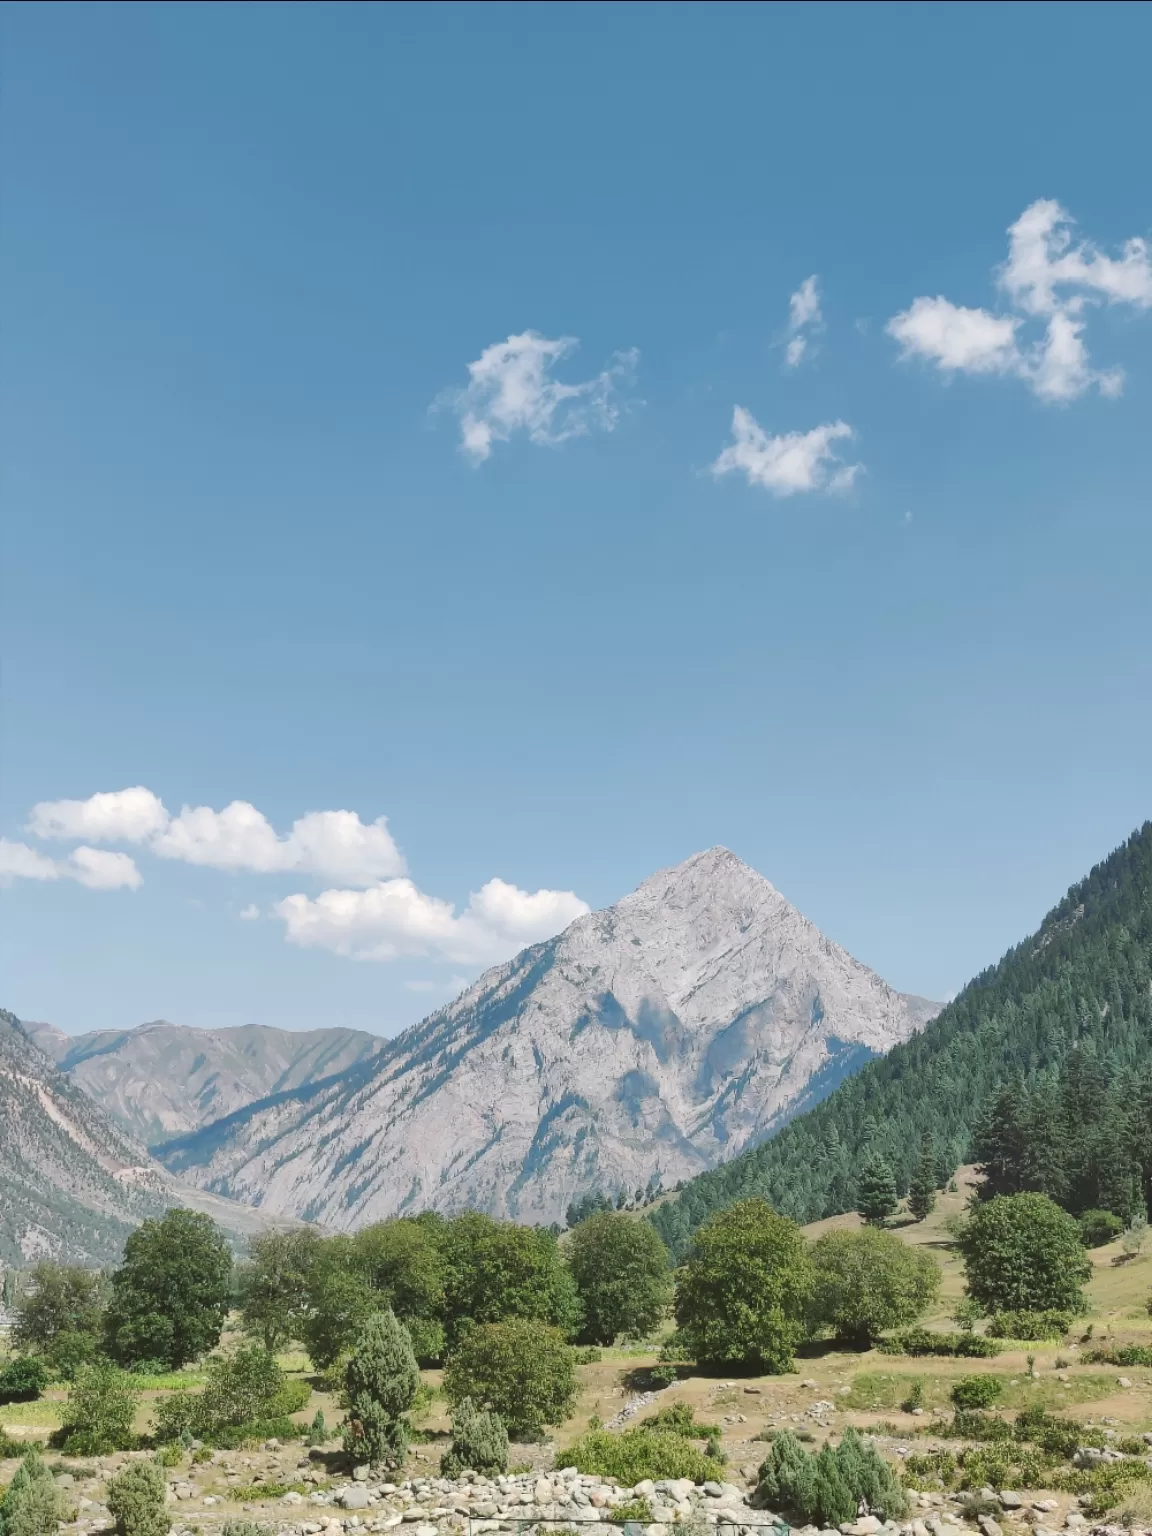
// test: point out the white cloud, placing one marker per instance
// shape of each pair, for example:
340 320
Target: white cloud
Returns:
336 845
804 318
100 870
1042 258
1046 277
791 462
511 389
19 862
955 338
395 918
121 816
250 913
96 868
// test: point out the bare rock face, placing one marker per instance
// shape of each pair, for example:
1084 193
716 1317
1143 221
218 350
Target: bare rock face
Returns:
646 1042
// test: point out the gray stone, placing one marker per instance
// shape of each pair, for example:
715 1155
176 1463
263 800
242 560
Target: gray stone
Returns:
1010 1500
355 1497
988 1526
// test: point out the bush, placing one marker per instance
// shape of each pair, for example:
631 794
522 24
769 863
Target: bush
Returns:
1099 1227
22 1380
1022 1253
977 1391
479 1442
381 1383
742 1297
428 1339
247 1396
10 1447
920 1341
1029 1325
680 1419
519 1369
621 1271
245 1528
136 1500
32 1504
588 1354
97 1417
1119 1354
639 1453
866 1282
634 1512
831 1487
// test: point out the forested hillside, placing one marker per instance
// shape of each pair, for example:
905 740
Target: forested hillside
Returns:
1077 995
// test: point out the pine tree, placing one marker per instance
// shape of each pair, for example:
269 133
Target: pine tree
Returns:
876 1191
381 1382
922 1190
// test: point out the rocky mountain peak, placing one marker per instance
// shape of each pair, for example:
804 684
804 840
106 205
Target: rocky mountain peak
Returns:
648 1041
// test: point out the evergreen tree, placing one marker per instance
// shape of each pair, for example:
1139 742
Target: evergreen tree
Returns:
876 1192
479 1443
381 1381
922 1190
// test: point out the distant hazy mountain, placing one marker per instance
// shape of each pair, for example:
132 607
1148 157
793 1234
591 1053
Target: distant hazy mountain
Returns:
72 1183
654 1039
163 1080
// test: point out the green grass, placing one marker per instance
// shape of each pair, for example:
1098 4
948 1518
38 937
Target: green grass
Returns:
251 1493
43 1411
882 1391
169 1381
293 1360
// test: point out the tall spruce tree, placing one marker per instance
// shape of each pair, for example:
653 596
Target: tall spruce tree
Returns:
381 1382
876 1192
922 1190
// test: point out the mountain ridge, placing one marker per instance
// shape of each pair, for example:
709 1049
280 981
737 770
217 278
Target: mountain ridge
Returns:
161 1080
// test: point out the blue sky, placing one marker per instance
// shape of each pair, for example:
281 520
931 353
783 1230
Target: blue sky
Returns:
248 254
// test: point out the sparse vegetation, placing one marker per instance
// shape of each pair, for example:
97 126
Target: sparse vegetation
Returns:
635 1454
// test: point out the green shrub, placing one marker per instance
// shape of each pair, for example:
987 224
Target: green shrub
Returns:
971 1424
170 1455
634 1512
663 1376
977 1391
930 1471
914 1400
245 1528
136 1500
829 1488
22 1380
381 1382
247 1397
1101 1487
32 1504
10 1447
318 1429
921 1341
680 1419
639 1453
587 1354
1120 1354
1099 1227
97 1417
479 1442
1029 1325
521 1370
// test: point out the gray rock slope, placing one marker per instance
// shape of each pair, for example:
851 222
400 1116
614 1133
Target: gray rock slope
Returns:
73 1184
163 1080
647 1041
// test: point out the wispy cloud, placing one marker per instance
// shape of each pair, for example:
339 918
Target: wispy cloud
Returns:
511 389
791 462
804 319
1047 278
